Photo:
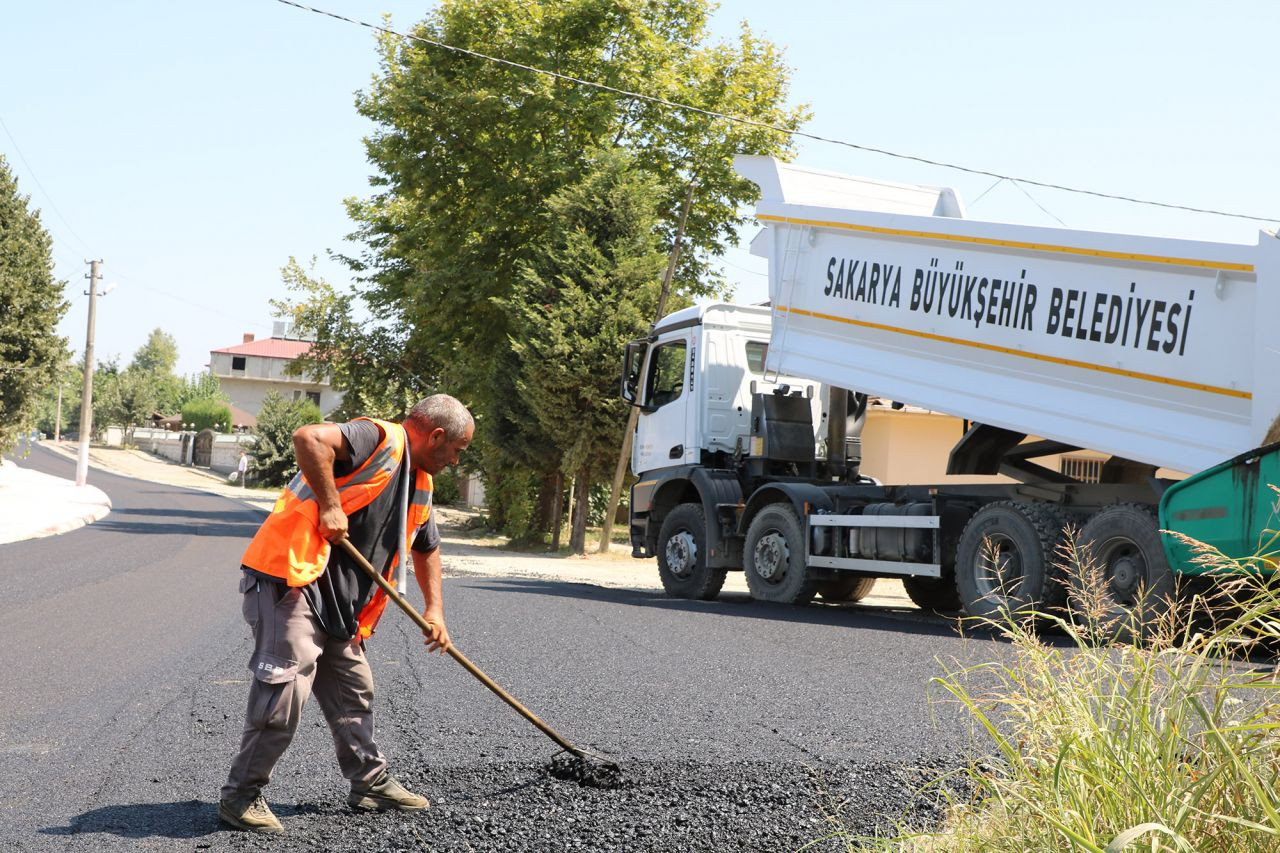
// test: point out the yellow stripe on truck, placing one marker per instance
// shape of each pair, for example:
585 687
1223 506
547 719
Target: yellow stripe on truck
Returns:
1015 244
1084 365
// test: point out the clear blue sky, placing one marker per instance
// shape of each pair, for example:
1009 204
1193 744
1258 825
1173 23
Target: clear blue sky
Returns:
195 146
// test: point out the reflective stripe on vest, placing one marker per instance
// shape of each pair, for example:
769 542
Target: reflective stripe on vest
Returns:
419 512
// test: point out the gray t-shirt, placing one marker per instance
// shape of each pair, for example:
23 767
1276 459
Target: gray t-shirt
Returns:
363 438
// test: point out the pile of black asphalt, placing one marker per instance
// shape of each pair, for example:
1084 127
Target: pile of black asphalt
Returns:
677 806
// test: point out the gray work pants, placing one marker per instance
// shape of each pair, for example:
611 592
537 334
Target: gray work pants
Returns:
293 657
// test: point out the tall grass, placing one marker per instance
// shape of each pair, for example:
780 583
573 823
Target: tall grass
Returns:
1166 740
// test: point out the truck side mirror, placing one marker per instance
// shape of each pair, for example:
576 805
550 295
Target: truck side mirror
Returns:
632 362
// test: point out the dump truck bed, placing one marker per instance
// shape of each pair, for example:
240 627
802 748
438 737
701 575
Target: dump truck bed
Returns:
1158 350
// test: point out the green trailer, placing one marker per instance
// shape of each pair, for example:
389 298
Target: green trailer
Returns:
1233 507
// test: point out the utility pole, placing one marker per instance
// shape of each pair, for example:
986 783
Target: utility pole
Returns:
57 424
86 396
624 456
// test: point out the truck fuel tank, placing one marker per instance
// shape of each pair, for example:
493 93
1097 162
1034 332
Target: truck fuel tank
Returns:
901 544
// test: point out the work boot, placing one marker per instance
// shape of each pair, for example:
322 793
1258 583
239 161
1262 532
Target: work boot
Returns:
249 812
386 794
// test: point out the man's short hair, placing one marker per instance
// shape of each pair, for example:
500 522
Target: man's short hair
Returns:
440 411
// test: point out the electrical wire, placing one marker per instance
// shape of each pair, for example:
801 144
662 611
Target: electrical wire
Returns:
743 269
1023 190
767 126
52 206
32 173
125 276
983 194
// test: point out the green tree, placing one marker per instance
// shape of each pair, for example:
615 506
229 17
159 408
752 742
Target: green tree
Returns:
70 376
117 401
468 152
273 460
153 366
127 397
108 407
158 355
130 398
368 360
31 305
591 286
199 386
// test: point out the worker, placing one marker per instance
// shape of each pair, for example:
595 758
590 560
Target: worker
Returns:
311 607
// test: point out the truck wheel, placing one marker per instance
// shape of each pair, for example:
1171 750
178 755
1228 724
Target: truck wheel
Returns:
774 557
845 588
1007 560
1124 587
682 555
936 594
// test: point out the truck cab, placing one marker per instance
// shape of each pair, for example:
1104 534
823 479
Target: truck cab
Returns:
695 398
693 380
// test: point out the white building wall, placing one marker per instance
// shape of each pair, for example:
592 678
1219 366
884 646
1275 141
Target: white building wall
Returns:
248 394
249 387
224 458
257 367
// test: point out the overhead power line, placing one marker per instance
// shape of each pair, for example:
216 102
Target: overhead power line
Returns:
32 173
766 125
743 269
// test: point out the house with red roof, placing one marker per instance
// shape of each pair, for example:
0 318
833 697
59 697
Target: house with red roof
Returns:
252 369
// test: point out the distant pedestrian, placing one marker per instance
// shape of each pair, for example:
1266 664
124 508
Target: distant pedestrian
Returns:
243 468
311 607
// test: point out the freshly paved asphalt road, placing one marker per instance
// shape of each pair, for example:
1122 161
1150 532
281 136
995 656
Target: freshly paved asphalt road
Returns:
739 725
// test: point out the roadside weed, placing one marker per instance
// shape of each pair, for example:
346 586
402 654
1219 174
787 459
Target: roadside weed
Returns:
1159 736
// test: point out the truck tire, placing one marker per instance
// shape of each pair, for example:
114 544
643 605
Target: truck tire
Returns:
1008 562
1124 588
682 555
846 588
774 557
938 595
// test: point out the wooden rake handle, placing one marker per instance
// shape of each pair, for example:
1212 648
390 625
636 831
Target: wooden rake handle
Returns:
454 653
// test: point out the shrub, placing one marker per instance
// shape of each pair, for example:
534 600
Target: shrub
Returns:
273 460
598 504
207 413
511 497
447 487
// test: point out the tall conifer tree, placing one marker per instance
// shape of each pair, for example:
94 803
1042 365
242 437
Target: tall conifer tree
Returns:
31 305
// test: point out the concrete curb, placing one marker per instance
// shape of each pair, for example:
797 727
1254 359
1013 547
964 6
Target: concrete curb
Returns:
29 499
67 525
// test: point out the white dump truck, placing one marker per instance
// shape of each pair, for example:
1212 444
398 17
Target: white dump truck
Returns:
1159 353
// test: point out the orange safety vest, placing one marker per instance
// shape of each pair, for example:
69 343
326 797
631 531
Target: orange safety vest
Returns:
289 546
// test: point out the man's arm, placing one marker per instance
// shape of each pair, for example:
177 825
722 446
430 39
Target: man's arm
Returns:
317 447
427 569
